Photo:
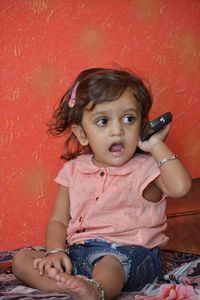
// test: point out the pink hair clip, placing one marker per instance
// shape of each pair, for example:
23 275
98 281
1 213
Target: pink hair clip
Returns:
72 100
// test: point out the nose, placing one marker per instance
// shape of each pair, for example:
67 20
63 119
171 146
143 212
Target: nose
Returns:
116 129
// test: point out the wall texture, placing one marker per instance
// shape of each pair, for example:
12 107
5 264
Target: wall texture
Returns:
43 45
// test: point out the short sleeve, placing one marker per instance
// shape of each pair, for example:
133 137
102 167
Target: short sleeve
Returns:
149 170
63 175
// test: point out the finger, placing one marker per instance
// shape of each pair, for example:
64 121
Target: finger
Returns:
36 261
66 262
40 267
52 273
163 133
58 265
48 265
167 128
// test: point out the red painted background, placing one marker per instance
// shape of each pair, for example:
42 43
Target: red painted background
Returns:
43 45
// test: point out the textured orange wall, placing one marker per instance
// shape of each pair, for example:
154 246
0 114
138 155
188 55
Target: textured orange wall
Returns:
43 45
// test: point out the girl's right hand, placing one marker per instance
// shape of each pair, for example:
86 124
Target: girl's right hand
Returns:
157 137
60 261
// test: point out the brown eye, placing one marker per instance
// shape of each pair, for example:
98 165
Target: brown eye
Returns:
102 122
129 119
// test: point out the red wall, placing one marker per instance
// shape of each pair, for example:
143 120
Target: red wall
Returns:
43 45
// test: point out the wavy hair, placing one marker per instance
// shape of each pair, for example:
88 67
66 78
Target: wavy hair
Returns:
96 85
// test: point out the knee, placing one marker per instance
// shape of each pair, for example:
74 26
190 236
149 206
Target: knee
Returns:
111 267
111 262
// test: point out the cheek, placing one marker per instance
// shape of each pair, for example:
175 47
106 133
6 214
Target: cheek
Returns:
135 131
133 138
97 143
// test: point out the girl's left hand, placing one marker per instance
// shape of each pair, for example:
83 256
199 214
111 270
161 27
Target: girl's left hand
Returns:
157 137
60 261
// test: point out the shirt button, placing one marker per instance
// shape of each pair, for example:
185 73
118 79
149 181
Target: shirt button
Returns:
102 173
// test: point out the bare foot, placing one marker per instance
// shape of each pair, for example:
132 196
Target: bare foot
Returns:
76 286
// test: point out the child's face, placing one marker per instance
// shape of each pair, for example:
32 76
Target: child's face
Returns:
112 130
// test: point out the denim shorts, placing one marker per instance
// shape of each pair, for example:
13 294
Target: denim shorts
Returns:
141 265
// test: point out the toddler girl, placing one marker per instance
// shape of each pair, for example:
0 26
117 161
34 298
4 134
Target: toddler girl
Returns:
109 218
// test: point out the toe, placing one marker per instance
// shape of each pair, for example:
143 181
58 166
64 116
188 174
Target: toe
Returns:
52 272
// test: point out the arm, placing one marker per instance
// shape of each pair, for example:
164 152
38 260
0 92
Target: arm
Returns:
174 180
58 221
56 236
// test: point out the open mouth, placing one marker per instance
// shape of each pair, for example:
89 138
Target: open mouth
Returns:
116 148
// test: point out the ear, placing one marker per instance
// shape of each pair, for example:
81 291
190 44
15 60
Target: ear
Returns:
80 134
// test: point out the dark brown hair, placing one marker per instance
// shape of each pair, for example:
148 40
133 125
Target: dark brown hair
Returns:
97 85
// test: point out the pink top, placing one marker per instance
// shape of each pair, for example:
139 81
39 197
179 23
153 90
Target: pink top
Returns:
107 203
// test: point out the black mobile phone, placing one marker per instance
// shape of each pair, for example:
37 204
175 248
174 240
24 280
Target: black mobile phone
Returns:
155 125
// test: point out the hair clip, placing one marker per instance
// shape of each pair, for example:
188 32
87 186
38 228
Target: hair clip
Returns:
72 100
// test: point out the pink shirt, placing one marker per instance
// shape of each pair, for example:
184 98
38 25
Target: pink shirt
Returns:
107 203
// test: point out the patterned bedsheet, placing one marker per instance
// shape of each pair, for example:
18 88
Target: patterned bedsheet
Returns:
181 280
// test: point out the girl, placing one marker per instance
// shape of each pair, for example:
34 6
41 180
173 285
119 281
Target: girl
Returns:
110 206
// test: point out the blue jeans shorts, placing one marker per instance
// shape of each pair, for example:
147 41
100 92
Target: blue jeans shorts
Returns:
141 265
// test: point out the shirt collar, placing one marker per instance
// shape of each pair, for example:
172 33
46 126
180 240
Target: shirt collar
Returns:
86 166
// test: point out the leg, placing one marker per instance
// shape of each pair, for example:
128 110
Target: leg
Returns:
23 270
108 272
